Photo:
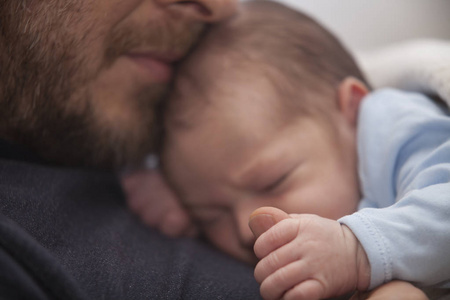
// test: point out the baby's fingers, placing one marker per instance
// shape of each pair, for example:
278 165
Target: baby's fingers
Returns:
151 198
280 234
276 260
309 290
284 279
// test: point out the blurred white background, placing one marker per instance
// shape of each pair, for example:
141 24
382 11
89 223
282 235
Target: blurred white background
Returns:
369 24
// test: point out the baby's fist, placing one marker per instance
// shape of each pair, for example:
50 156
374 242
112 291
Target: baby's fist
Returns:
149 196
307 257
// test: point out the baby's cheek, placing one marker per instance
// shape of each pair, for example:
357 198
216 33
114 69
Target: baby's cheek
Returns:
221 234
224 236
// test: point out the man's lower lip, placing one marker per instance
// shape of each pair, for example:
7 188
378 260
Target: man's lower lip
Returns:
158 70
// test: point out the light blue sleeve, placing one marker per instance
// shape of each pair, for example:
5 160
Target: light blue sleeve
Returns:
404 165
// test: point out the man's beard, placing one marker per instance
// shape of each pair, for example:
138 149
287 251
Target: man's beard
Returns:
46 98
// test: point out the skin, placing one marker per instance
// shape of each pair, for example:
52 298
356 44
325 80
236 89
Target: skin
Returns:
109 60
173 220
231 150
264 219
306 257
149 196
226 164
81 79
394 290
294 163
300 165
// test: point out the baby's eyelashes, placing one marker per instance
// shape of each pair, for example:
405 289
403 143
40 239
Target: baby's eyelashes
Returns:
272 186
279 184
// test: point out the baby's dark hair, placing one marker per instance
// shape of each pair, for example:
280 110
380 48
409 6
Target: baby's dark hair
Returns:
298 55
280 49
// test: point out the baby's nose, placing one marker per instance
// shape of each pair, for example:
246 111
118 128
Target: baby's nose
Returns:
246 237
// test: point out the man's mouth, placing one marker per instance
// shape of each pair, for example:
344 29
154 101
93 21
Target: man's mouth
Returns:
159 67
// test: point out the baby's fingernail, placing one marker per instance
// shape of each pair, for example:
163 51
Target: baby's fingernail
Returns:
260 223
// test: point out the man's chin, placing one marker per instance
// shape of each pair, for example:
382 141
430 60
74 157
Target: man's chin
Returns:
117 129
90 141
98 154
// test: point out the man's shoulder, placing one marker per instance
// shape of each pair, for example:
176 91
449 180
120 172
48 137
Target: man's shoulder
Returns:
35 211
17 282
28 271
71 231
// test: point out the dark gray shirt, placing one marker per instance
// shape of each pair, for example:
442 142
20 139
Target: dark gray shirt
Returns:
67 234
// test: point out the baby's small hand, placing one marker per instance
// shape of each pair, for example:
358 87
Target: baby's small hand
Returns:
393 290
306 257
149 196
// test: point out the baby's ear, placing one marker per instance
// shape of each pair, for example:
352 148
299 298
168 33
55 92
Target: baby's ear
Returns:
350 92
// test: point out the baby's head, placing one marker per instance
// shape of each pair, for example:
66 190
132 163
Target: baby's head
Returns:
263 114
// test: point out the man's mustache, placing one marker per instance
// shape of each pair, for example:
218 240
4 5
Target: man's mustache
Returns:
171 39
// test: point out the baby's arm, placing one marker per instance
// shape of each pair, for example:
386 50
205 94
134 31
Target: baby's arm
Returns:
149 196
306 256
405 161
409 240
266 217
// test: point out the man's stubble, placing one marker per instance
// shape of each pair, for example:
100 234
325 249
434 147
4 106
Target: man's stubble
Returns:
47 78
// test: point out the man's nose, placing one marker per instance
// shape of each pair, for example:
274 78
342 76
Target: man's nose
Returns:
209 11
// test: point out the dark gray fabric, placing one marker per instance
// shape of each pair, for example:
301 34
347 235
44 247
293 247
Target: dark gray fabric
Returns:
67 234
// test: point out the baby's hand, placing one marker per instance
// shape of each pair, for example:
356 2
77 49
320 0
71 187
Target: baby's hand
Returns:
306 256
149 196
394 290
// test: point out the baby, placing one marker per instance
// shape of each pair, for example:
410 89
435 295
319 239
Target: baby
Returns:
271 111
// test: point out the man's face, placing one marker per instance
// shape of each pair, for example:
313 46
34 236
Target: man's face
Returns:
246 151
80 79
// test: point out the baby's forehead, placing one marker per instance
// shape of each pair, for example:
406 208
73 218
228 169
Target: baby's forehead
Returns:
229 96
229 86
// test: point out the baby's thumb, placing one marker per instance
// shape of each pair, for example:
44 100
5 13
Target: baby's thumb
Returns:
265 217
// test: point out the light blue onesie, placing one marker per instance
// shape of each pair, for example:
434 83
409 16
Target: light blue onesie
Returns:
404 166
